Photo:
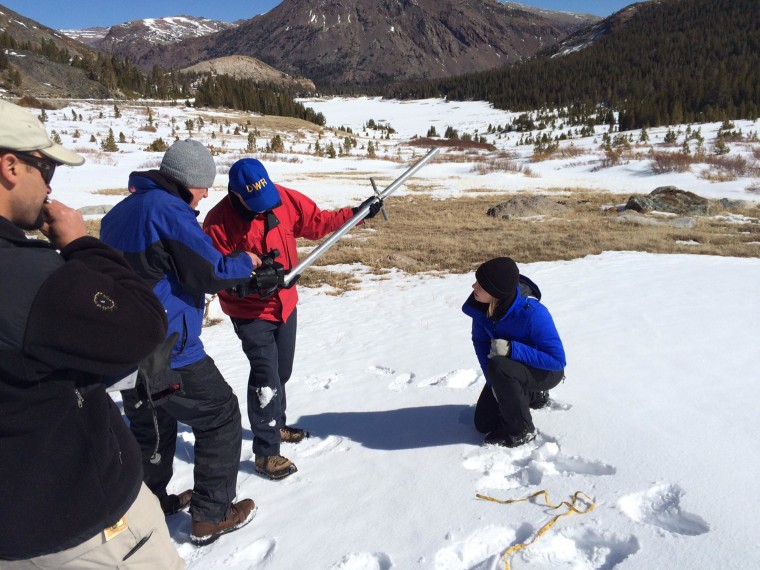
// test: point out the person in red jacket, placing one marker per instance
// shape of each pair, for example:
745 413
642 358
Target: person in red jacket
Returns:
266 219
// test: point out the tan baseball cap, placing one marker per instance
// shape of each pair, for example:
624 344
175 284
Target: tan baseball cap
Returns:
22 131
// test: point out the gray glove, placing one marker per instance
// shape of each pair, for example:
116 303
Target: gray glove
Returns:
500 347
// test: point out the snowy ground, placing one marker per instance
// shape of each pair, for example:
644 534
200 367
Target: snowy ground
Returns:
654 422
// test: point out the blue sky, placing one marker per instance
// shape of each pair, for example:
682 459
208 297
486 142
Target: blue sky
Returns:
77 14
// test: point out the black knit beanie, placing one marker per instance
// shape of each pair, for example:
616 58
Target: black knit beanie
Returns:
499 277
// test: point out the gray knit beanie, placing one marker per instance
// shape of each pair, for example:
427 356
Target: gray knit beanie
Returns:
189 163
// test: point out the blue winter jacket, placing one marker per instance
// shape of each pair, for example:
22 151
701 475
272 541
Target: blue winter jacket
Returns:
160 237
528 326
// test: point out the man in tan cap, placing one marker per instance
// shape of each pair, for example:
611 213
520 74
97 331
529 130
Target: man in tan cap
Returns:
72 314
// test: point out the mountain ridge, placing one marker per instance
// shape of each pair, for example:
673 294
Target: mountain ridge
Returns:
345 42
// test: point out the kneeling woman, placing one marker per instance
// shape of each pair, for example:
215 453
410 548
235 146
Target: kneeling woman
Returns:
518 348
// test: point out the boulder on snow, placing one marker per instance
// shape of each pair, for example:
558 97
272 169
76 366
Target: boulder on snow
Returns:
669 199
526 206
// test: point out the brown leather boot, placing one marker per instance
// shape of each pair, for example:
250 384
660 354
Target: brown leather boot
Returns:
238 515
292 434
275 466
171 504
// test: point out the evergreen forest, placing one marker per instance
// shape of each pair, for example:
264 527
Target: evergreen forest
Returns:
674 61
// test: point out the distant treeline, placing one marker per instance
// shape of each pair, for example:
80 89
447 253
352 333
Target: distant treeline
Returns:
674 61
246 95
118 74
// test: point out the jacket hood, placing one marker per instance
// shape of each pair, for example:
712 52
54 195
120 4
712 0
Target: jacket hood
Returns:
148 180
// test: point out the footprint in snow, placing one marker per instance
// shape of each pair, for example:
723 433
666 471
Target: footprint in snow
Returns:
527 465
480 550
315 446
318 382
577 547
401 382
660 506
253 554
382 370
456 379
364 561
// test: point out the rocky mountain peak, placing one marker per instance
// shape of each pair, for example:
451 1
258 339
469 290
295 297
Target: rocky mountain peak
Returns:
372 41
135 38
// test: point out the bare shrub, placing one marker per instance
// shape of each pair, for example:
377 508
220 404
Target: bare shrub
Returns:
34 103
736 165
459 144
570 151
716 175
663 162
612 157
502 163
223 163
151 164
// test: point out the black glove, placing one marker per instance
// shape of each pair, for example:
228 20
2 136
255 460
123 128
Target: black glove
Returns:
156 381
267 279
375 204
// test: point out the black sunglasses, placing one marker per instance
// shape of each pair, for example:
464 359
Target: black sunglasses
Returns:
46 166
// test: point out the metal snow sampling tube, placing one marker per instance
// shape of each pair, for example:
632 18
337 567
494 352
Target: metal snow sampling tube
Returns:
358 217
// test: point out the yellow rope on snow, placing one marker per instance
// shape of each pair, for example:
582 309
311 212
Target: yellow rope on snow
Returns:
571 510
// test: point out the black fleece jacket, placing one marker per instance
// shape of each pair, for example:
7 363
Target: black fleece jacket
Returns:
69 467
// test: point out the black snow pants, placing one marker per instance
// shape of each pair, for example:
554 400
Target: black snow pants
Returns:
208 405
504 406
270 348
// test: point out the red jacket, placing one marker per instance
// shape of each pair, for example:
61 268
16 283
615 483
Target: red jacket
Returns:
299 216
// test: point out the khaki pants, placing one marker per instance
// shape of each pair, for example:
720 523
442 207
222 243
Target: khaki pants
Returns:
143 545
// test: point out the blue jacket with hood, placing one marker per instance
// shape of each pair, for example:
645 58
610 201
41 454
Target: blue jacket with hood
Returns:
158 233
527 324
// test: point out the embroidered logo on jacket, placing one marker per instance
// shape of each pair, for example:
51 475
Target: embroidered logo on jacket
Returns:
103 301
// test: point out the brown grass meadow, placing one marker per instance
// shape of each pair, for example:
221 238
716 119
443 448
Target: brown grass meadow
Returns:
456 235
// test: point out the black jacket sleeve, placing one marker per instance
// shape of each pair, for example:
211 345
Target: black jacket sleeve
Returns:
93 314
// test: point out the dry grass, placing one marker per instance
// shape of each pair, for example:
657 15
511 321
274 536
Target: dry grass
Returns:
338 281
456 235
112 192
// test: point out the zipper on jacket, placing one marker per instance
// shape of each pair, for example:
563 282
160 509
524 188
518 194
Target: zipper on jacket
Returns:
80 399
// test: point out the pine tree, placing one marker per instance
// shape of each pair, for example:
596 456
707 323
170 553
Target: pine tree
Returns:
109 144
251 146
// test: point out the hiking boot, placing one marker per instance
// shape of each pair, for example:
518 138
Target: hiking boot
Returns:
171 504
538 400
291 434
274 466
507 440
238 515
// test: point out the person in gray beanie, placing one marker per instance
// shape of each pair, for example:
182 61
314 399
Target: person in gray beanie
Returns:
157 230
189 163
